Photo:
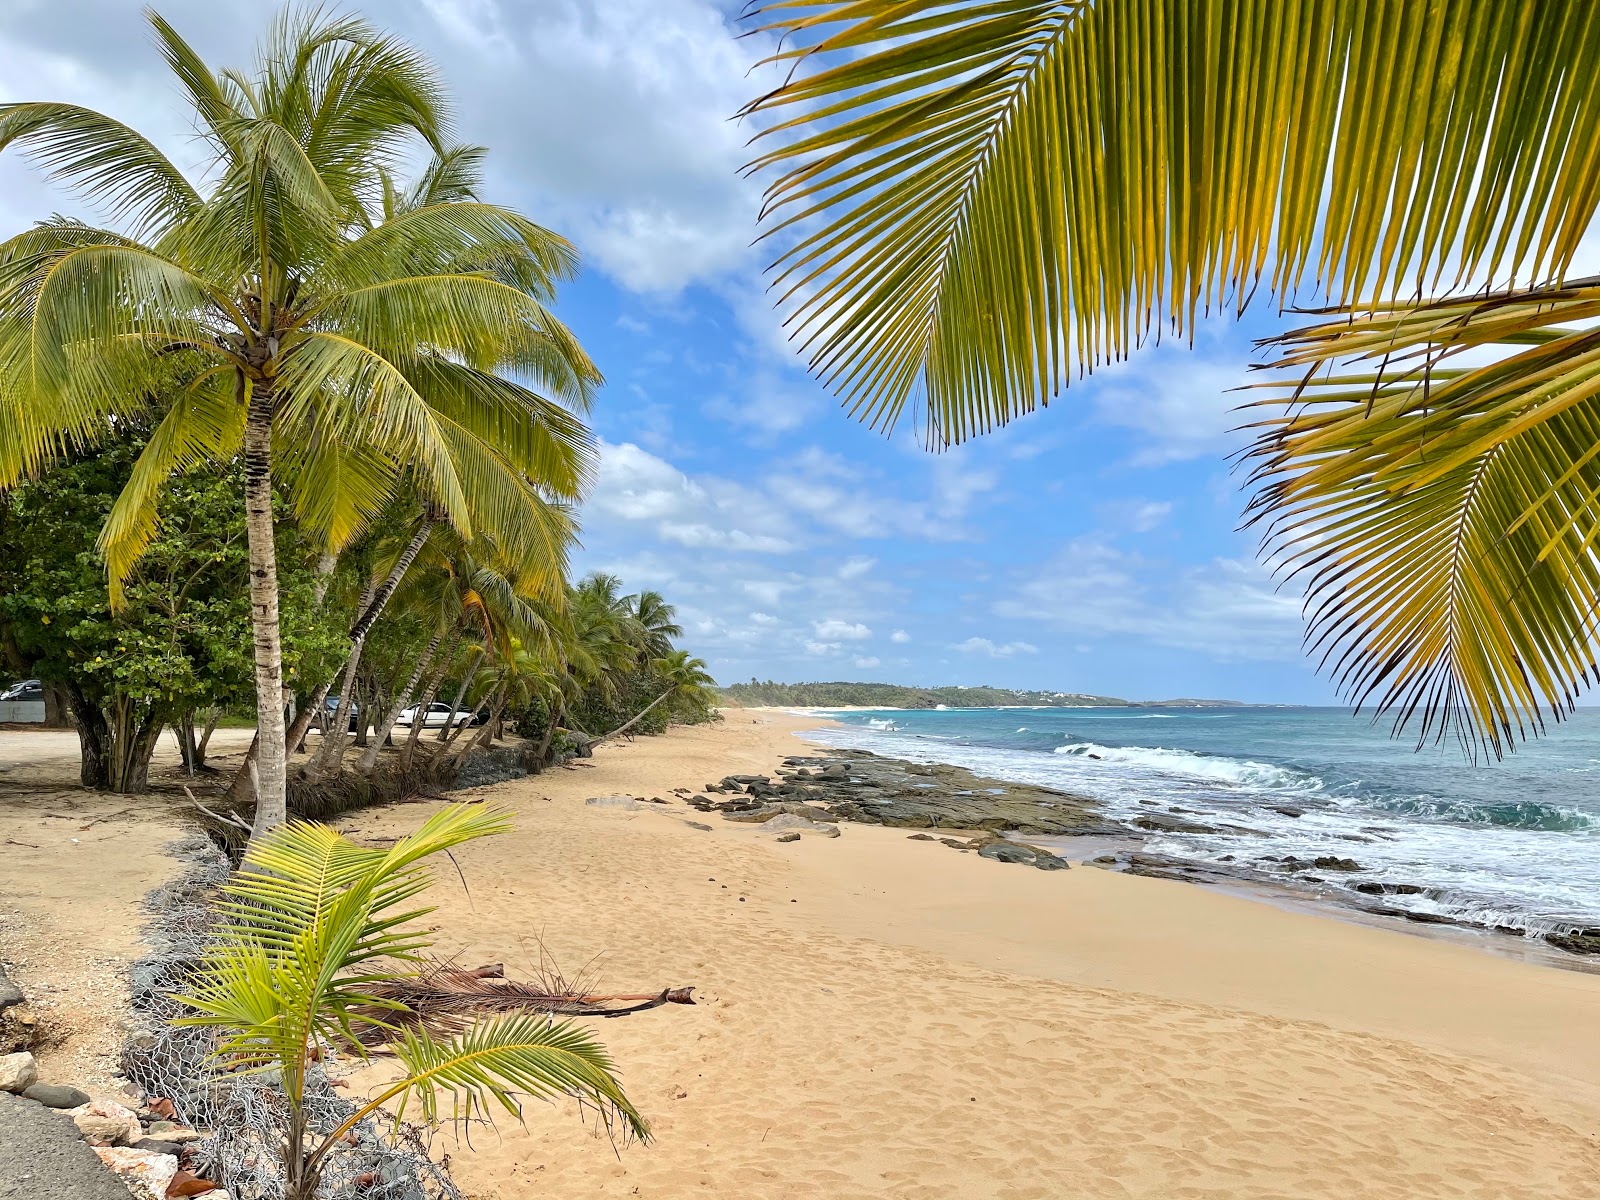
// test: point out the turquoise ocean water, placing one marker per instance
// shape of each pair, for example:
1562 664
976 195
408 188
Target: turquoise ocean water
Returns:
1510 844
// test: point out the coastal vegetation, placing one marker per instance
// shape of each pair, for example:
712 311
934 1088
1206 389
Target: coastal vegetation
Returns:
976 201
302 444
315 927
892 695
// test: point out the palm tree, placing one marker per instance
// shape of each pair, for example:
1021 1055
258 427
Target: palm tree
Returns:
980 199
657 621
314 926
685 678
315 325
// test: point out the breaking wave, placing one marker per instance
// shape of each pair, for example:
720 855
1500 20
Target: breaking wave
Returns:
1236 772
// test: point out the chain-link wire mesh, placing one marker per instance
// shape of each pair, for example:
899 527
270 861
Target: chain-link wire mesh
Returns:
246 1114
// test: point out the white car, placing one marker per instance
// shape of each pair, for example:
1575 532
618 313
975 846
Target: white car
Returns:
437 716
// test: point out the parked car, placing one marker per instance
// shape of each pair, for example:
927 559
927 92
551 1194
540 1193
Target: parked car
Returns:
330 706
437 716
28 689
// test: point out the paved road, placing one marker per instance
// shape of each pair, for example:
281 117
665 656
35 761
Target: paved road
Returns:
43 1155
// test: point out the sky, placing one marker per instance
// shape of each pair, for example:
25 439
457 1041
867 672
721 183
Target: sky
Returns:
1091 547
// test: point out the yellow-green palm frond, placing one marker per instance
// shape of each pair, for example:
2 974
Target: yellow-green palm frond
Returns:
500 1058
979 199
1442 510
304 918
203 422
541 439
347 390
343 485
117 170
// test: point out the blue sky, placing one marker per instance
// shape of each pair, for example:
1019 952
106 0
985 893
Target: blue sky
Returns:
1090 547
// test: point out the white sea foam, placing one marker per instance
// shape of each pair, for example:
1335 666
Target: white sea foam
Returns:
883 723
1213 768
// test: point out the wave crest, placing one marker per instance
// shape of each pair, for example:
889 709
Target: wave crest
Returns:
1238 772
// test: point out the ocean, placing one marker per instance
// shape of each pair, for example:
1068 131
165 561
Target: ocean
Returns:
1513 844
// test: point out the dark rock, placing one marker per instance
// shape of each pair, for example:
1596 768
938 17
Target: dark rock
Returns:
698 825
1576 941
1329 862
42 1153
789 837
1165 824
1104 858
10 993
1015 852
56 1095
1373 888
1286 811
922 837
158 1147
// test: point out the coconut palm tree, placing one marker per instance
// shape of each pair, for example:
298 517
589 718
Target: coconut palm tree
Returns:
977 200
685 678
333 337
657 621
313 927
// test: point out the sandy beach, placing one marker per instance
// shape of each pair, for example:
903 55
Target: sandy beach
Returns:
880 1017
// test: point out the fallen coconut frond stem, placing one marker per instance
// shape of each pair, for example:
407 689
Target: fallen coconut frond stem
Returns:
445 999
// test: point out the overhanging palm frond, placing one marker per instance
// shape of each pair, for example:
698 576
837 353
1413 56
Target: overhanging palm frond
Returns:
1443 517
981 198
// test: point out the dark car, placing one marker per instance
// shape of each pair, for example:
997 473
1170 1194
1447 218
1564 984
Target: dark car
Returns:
330 705
28 689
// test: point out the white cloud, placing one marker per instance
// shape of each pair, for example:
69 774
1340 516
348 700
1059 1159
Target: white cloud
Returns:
869 661
900 636
1226 608
726 539
834 630
823 649
982 645
856 566
1137 516
1176 400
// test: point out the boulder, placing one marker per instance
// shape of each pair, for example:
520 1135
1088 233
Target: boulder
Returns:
614 803
17 1072
1016 852
171 1131
1329 862
789 823
10 993
921 837
1373 888
146 1174
42 1154
56 1095
106 1123
1161 823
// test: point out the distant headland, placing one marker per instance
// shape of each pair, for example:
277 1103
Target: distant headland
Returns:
893 695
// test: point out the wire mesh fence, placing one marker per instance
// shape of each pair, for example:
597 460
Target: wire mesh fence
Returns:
246 1113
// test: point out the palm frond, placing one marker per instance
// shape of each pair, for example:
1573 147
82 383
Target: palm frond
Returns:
119 171
500 1058
979 199
1443 516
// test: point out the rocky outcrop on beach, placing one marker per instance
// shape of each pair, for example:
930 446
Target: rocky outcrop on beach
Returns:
854 785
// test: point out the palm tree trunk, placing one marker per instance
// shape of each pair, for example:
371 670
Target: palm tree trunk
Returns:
331 752
633 720
461 694
370 758
426 699
272 755
549 733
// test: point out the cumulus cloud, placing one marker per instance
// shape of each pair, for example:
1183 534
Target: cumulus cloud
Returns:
834 630
868 661
900 636
982 645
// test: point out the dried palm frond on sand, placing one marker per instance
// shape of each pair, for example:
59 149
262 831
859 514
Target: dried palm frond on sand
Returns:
446 999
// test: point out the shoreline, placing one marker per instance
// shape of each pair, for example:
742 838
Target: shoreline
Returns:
880 1017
